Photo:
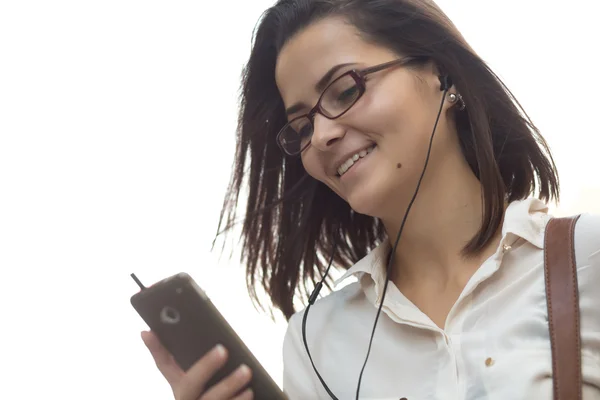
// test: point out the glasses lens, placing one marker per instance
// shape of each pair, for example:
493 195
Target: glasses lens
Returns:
296 135
340 96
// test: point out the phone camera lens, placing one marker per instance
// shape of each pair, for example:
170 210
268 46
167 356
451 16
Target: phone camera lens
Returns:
169 315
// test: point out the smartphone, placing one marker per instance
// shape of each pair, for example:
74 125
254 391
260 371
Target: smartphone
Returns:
189 325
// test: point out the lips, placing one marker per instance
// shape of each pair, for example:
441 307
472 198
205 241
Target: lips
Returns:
352 159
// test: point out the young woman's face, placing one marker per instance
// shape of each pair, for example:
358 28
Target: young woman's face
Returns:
376 151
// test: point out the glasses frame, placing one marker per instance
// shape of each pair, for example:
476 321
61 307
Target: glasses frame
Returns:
360 77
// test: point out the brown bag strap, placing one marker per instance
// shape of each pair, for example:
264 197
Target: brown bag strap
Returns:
562 294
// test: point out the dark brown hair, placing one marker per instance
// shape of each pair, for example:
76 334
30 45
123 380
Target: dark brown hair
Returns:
291 219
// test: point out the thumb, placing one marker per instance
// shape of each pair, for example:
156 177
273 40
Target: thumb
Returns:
164 360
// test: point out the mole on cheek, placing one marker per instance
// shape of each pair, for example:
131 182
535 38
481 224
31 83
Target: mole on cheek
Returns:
398 165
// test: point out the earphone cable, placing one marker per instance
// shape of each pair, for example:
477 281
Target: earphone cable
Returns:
391 257
317 289
311 301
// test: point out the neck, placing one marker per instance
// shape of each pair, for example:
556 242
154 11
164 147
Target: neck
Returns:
445 216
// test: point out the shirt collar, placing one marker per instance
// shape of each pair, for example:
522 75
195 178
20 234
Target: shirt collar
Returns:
523 218
527 219
373 264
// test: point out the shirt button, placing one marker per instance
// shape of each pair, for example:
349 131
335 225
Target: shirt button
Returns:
506 248
489 362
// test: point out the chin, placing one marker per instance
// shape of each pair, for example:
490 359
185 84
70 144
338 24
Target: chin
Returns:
367 204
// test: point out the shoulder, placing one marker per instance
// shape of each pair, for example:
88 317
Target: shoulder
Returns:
587 258
299 380
332 314
326 308
587 240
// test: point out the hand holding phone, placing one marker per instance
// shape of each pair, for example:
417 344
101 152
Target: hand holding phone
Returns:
192 384
195 348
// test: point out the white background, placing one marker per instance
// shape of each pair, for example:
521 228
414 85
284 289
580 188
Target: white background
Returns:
117 122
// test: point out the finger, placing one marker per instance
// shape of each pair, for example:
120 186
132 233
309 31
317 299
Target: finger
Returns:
193 383
231 385
164 360
247 394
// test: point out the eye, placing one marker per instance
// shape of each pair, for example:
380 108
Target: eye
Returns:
305 130
341 95
348 95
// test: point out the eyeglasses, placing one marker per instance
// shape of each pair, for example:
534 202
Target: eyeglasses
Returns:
337 98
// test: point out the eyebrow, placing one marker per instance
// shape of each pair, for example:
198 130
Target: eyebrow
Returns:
319 87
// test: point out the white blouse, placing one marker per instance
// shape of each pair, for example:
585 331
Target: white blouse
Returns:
495 345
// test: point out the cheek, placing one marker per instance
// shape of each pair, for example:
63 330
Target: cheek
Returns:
380 115
312 165
399 115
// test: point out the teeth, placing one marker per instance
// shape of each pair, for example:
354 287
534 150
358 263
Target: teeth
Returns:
350 162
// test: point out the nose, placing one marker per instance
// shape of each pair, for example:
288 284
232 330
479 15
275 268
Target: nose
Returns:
326 132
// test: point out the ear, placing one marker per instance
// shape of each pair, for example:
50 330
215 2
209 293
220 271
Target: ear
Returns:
446 85
443 77
453 98
441 83
445 82
439 78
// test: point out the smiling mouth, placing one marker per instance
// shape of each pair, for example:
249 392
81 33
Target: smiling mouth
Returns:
353 160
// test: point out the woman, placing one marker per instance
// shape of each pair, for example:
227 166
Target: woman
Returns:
370 130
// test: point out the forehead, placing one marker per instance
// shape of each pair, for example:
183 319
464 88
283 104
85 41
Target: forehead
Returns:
309 54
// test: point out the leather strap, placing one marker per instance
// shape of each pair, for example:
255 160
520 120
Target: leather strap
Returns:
562 294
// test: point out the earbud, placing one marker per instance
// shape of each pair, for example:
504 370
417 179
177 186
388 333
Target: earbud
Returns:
445 82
